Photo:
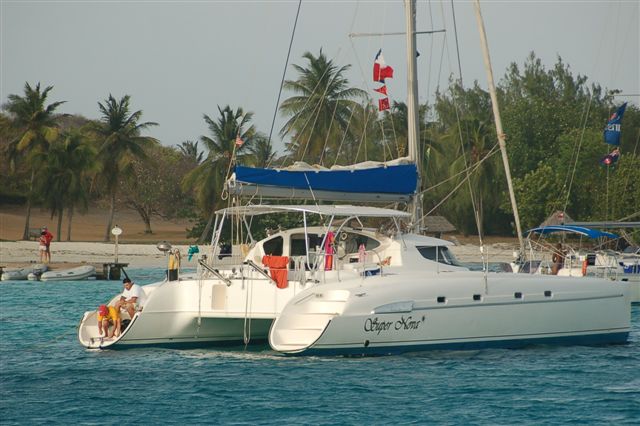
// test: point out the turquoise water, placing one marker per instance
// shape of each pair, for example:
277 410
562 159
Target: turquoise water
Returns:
47 377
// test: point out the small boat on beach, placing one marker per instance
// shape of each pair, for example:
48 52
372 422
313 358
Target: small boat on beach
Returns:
79 273
21 274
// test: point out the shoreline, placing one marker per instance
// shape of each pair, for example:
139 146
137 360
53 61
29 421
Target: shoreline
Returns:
64 254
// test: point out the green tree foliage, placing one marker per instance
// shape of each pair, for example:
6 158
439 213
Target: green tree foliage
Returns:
189 150
121 142
152 185
37 128
206 182
535 205
66 177
261 153
541 105
14 175
320 110
364 141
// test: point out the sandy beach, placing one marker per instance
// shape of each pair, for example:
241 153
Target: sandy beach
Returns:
139 249
147 255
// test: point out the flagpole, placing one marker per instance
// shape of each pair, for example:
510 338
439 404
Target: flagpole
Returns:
412 109
498 120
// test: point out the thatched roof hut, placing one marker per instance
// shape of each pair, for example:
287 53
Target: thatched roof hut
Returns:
557 218
437 225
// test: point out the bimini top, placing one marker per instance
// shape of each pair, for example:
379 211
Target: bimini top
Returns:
580 230
328 210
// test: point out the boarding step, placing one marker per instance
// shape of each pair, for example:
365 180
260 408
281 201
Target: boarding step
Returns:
320 307
306 321
296 337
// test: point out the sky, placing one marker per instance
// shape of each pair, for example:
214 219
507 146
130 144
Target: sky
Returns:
181 59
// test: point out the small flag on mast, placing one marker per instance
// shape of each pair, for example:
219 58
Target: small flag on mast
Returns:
611 159
612 130
381 89
383 104
380 69
239 141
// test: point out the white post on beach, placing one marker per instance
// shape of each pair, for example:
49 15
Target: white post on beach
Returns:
116 231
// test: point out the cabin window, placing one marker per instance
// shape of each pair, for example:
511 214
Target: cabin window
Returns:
440 254
297 244
351 242
274 246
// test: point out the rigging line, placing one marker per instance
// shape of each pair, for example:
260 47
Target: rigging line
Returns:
615 64
626 181
575 163
490 153
320 104
284 71
304 107
464 155
368 101
428 88
476 166
326 139
309 98
344 136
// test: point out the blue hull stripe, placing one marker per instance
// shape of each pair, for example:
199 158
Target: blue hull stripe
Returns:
585 340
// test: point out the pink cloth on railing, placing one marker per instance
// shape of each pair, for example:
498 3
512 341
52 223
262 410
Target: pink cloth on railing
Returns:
328 251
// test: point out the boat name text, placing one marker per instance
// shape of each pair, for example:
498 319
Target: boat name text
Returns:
374 325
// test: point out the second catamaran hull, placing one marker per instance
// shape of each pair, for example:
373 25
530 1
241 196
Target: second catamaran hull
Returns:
545 312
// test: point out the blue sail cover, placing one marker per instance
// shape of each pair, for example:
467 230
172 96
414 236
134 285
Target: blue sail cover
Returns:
396 179
580 230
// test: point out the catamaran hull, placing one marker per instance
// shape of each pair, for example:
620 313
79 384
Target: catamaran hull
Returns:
458 338
533 317
176 329
192 312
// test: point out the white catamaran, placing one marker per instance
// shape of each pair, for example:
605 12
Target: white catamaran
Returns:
342 288
425 302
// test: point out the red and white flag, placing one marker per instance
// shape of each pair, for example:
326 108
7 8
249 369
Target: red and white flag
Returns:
381 89
380 69
239 141
383 104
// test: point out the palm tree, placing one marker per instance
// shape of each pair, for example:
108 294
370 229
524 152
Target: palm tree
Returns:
320 110
207 180
261 151
38 129
189 151
66 177
121 142
364 140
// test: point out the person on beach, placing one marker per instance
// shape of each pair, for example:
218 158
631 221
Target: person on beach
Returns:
48 238
109 316
131 298
42 247
557 259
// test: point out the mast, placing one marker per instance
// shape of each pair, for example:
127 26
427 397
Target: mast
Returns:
498 120
412 109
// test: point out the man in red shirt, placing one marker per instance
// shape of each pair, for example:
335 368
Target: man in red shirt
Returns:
48 237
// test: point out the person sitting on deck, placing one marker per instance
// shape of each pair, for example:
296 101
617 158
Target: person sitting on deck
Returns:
131 298
107 316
